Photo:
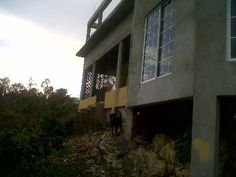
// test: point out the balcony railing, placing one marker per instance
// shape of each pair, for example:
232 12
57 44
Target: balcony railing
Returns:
114 98
83 104
99 15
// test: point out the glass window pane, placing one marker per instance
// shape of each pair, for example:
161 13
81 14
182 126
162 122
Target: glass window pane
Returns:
150 52
173 18
172 34
163 12
168 21
164 67
233 48
170 64
233 8
171 48
165 51
233 27
173 5
168 48
149 72
168 36
154 43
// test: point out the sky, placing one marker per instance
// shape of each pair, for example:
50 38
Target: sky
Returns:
40 38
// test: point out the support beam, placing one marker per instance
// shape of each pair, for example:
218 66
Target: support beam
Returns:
93 79
83 84
97 16
205 136
100 10
119 64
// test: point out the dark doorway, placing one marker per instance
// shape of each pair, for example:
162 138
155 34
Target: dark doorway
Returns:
171 118
227 151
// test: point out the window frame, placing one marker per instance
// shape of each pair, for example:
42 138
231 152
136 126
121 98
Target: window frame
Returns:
228 33
159 9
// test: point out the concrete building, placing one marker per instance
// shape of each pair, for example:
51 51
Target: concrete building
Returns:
175 59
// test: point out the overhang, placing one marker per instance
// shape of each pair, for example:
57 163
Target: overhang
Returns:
116 16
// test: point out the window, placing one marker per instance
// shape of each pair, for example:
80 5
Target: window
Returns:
159 41
231 39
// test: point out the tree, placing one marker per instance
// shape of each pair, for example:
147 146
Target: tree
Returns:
31 125
4 85
47 88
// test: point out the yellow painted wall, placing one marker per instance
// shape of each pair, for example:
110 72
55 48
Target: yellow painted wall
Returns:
87 102
122 97
109 101
116 98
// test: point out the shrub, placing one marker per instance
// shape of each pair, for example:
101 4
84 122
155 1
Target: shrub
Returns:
183 148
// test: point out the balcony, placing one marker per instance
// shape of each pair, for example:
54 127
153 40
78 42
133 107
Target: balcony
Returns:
113 99
83 104
116 98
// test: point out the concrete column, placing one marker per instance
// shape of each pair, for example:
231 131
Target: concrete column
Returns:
128 124
93 79
83 84
119 64
88 32
205 136
100 19
118 73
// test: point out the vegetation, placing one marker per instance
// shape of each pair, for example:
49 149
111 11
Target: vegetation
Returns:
32 127
183 148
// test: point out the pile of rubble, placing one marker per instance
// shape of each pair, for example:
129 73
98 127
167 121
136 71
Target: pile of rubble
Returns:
111 156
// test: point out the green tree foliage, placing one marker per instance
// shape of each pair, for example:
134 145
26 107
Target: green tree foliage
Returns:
31 125
183 148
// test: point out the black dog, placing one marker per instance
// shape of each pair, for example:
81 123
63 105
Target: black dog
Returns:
116 121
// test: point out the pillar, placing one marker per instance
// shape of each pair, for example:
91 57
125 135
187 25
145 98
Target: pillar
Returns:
205 136
119 65
83 84
93 79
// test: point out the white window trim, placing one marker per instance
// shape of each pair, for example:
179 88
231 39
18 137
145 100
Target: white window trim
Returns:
158 44
144 38
228 33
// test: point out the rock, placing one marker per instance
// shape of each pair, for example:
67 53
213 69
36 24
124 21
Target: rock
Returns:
105 146
168 154
145 164
95 153
121 146
181 171
156 167
159 141
110 157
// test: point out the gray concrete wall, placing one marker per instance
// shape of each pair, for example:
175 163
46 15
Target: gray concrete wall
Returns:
179 84
112 39
214 76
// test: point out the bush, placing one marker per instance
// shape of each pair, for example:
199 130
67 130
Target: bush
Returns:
183 148
10 156
46 168
22 148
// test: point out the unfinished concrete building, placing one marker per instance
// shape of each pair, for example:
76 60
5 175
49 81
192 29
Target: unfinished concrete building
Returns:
169 66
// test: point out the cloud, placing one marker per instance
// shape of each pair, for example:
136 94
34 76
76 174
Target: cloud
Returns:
27 50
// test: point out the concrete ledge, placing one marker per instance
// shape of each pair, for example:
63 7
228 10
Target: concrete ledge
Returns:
116 98
83 104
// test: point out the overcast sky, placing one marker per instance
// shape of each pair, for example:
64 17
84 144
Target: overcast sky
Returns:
39 39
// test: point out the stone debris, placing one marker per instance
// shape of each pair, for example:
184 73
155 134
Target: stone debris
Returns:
113 156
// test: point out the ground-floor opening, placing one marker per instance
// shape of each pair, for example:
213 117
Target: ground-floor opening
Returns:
227 150
172 118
